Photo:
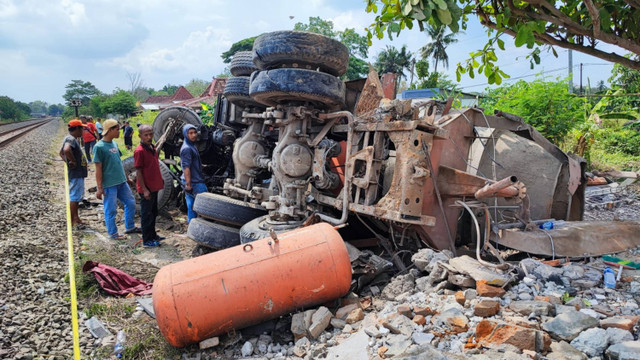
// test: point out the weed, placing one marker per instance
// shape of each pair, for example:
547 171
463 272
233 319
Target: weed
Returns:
566 297
96 310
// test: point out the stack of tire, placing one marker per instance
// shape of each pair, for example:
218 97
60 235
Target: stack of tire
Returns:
236 90
298 67
219 220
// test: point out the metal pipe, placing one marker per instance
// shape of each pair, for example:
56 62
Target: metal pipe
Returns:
501 187
348 171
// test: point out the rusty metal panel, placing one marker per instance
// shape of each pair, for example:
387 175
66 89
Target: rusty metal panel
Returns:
371 94
575 239
389 85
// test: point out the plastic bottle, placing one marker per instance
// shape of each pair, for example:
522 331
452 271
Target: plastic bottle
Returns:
609 278
118 349
547 225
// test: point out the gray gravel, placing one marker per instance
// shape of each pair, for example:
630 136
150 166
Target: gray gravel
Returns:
35 317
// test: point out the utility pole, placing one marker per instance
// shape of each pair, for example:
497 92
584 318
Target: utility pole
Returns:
570 71
580 78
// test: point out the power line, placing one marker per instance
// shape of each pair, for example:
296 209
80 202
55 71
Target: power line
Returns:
520 77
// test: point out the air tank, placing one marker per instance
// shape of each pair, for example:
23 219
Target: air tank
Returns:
248 284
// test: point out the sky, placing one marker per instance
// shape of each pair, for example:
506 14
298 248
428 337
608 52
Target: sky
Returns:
46 44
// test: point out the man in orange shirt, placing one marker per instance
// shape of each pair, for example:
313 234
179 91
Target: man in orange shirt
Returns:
89 135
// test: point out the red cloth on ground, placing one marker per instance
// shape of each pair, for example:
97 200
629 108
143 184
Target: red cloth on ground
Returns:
115 281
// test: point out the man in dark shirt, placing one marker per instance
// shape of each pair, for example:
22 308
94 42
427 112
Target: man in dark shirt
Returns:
128 135
149 182
191 169
71 153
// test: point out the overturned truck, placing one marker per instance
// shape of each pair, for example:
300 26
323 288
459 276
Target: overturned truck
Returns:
317 155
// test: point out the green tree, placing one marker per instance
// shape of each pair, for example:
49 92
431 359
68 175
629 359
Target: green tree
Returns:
357 44
546 105
629 81
197 86
121 103
242 45
317 25
11 110
78 89
437 47
392 60
584 26
38 106
168 89
55 109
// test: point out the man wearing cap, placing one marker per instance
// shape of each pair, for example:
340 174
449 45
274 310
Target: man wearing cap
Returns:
71 153
89 136
112 182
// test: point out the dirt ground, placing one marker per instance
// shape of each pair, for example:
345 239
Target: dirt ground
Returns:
144 340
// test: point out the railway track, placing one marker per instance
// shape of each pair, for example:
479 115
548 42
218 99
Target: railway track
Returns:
12 132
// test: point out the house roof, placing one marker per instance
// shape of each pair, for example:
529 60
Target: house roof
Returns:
209 95
181 94
159 99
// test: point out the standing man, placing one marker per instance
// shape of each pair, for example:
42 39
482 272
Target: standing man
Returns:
99 128
149 182
71 153
89 136
191 169
112 182
128 134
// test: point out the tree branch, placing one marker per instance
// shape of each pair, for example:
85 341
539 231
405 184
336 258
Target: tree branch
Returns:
595 18
633 3
548 39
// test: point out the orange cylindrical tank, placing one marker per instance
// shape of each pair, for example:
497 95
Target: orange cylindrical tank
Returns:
247 284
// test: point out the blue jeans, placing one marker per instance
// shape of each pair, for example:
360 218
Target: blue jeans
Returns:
197 188
123 193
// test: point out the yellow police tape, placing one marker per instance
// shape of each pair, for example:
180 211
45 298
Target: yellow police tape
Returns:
72 272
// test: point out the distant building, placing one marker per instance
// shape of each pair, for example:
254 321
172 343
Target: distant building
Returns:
183 97
466 99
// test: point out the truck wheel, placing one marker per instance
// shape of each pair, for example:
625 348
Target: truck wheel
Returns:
260 228
242 64
236 91
181 113
272 87
164 195
213 235
225 209
296 49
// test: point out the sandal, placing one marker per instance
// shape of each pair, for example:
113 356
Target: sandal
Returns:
79 227
118 237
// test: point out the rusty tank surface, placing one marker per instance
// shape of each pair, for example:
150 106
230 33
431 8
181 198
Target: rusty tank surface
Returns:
248 284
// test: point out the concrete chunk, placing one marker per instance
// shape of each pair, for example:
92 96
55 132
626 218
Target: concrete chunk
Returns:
319 322
470 266
567 326
209 343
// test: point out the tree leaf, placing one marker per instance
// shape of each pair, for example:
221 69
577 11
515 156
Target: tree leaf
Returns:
441 4
415 2
501 44
444 16
406 10
522 35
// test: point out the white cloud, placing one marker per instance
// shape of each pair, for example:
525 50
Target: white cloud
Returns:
75 11
7 9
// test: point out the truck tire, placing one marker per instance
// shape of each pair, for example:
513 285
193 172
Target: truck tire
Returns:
212 235
183 114
225 209
236 91
258 228
242 64
273 87
297 49
164 195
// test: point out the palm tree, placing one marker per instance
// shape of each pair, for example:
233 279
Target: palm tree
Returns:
438 45
394 61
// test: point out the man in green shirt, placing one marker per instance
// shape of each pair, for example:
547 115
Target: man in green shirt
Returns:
112 181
